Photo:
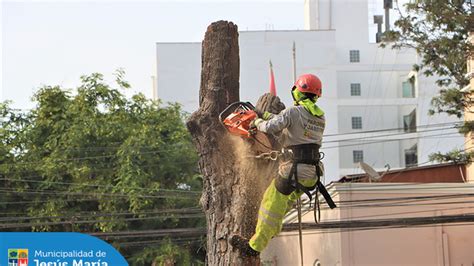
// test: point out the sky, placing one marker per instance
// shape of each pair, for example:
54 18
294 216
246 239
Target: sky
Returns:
54 43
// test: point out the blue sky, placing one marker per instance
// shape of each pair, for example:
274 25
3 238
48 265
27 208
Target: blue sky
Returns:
54 43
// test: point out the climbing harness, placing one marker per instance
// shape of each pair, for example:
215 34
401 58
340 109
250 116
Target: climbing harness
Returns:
300 154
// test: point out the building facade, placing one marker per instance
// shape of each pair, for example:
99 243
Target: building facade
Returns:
380 204
376 107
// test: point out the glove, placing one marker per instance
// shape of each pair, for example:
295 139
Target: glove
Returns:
255 122
267 115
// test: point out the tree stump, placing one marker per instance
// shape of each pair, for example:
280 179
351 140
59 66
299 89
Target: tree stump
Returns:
233 181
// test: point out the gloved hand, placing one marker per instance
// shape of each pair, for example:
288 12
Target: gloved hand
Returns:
267 115
255 122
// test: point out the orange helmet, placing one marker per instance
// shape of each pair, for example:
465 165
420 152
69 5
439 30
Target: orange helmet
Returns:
309 83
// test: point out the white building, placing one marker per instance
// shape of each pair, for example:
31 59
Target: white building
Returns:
365 87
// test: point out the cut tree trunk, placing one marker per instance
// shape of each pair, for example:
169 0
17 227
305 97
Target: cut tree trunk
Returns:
233 181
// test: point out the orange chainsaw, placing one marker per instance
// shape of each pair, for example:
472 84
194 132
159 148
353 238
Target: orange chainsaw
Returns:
237 119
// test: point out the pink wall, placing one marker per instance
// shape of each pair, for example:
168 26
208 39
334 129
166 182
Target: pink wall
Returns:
433 245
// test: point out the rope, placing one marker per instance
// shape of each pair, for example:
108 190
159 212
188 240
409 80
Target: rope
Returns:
298 204
317 208
300 229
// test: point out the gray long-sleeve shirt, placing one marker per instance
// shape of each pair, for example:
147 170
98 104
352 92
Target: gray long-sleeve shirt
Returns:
293 126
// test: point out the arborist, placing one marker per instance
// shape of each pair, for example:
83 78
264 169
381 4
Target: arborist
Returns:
300 130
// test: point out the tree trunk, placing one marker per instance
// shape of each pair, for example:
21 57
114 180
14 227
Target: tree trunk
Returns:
233 181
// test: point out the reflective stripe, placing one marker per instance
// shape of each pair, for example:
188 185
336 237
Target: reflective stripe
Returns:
273 204
270 213
265 220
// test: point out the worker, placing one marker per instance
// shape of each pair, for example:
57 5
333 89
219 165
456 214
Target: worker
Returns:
300 129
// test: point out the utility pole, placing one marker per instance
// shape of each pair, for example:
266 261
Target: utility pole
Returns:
154 87
387 5
294 62
468 115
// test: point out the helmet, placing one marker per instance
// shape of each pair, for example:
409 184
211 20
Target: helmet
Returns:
309 83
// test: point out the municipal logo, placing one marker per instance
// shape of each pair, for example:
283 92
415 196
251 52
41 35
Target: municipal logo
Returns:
17 257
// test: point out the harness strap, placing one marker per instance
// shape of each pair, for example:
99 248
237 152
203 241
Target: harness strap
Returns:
283 186
307 190
326 195
295 184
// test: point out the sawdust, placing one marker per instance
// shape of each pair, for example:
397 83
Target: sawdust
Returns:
253 171
255 176
252 175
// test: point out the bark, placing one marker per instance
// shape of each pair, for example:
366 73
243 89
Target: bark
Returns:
233 183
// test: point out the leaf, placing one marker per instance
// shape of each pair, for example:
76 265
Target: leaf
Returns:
100 158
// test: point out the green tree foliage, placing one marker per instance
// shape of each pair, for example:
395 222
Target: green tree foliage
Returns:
167 255
456 156
438 30
97 161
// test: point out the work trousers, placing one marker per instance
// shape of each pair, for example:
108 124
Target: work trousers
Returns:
273 208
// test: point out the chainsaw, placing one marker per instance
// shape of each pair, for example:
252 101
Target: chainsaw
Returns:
237 119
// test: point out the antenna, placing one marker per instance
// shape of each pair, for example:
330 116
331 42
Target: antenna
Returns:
371 173
378 19
387 5
294 61
387 166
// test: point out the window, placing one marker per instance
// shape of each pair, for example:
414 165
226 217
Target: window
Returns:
408 89
358 156
411 156
356 122
355 89
409 122
354 56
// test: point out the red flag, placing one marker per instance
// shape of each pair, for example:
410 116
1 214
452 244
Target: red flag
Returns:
272 81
